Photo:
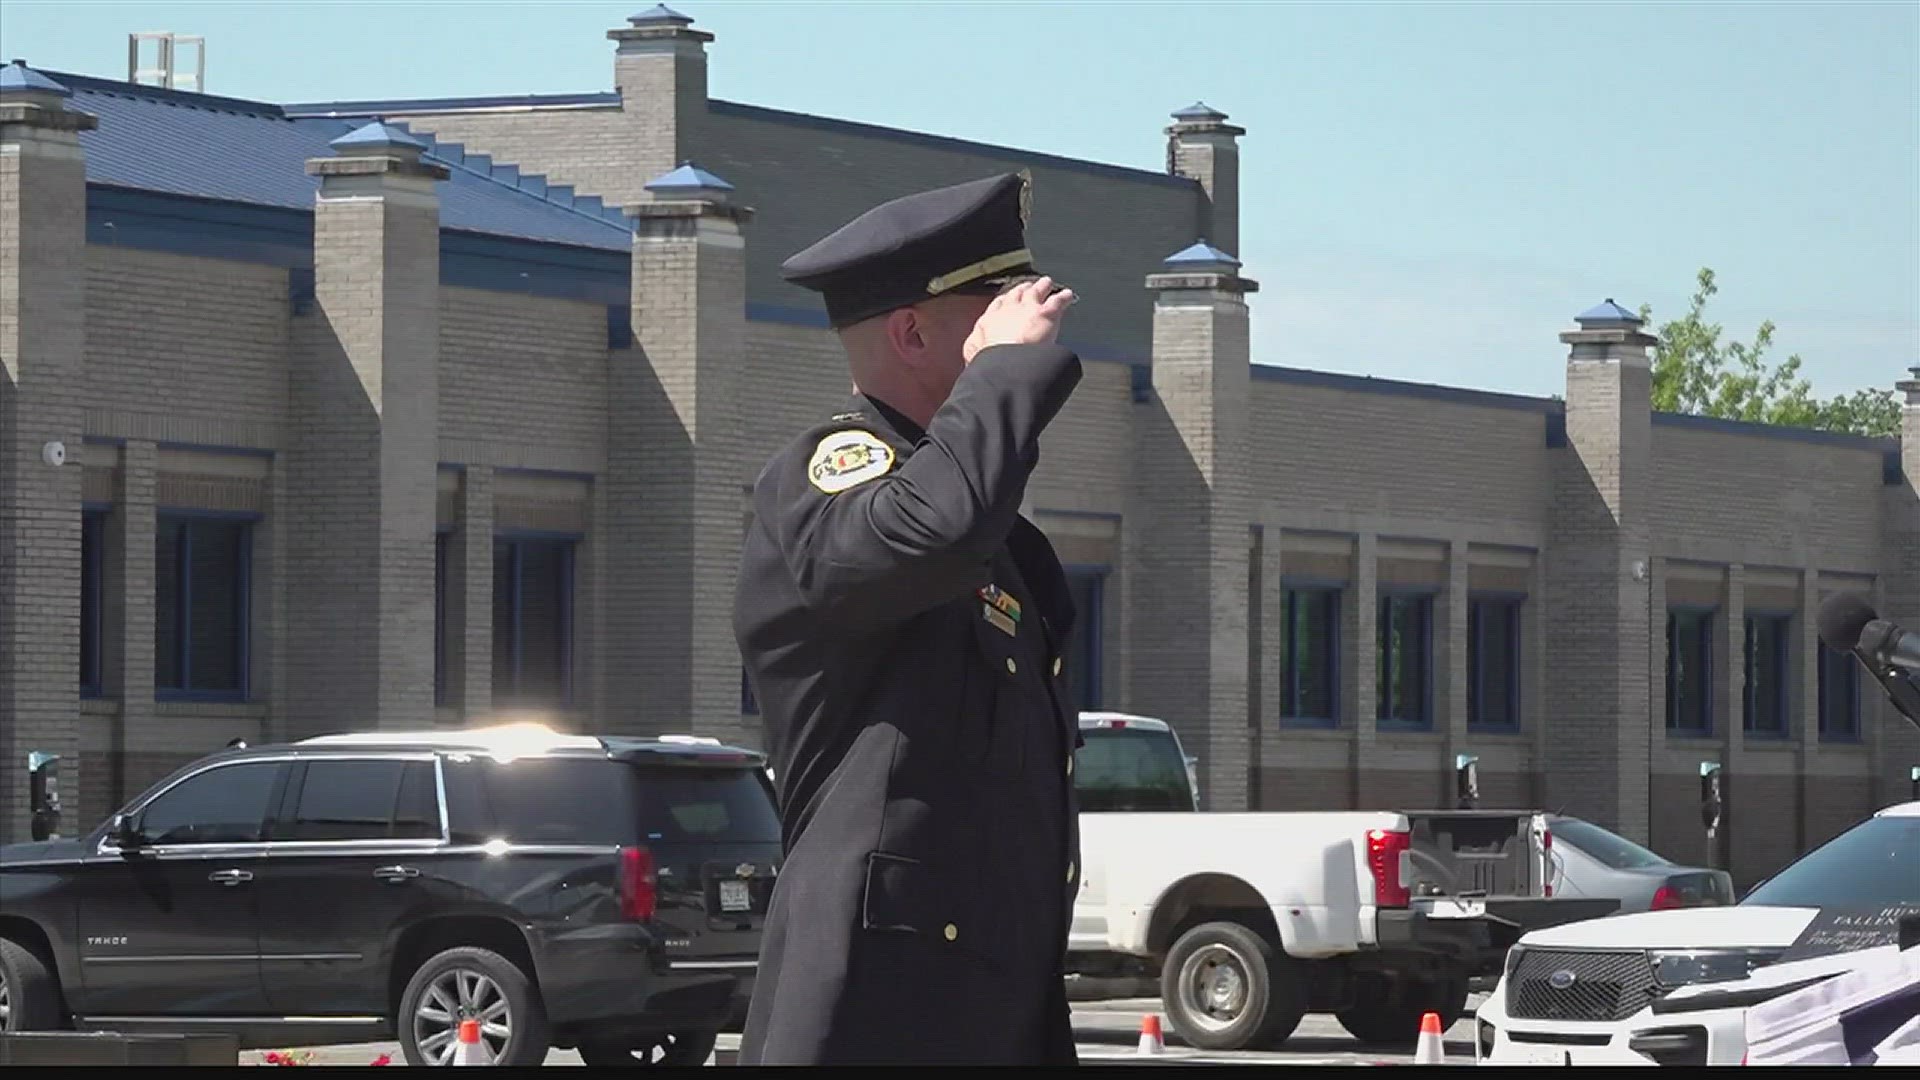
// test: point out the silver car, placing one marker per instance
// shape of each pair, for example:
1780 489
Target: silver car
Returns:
1589 861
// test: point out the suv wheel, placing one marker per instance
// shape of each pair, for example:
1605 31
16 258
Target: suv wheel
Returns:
29 996
680 1048
470 983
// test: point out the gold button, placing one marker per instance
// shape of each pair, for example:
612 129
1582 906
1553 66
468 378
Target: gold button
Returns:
1056 665
1069 873
952 932
1012 667
1069 764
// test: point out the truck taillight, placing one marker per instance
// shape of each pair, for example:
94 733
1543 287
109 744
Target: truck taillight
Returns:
638 894
1546 852
1384 848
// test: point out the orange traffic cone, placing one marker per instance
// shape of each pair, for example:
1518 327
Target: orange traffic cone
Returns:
1429 1050
1150 1041
470 1050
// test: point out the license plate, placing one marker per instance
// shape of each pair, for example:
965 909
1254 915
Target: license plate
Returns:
1533 1054
1450 908
735 896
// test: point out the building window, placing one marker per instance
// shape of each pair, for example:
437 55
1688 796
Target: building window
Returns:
1310 649
1764 704
1493 663
1690 672
441 541
201 582
1088 586
93 564
532 621
1839 696
1405 659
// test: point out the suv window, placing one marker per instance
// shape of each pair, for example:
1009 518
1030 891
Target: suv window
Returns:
560 801
1604 847
1875 862
363 800
227 804
705 805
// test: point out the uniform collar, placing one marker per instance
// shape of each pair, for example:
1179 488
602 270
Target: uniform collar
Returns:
895 422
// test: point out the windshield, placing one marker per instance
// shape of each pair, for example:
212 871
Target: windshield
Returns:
1597 843
1875 862
1131 769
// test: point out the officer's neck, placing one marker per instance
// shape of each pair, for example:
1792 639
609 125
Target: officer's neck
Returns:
908 426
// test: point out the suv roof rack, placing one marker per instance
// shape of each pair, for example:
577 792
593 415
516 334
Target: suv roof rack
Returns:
514 740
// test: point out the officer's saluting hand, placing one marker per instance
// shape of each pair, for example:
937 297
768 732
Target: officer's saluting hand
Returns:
903 628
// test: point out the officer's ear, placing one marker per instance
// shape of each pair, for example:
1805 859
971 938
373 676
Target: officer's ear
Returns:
908 332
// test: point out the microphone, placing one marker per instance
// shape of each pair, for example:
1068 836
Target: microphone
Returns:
1849 624
1887 644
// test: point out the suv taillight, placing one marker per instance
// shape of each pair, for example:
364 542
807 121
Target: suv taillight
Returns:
1384 848
637 883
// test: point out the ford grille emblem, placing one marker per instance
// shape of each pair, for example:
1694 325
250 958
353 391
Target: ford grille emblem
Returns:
1562 979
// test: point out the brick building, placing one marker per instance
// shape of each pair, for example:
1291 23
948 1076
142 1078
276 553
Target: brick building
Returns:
395 413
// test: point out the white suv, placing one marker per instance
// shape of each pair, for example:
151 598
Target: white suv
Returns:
1672 987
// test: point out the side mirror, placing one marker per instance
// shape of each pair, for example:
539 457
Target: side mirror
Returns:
125 833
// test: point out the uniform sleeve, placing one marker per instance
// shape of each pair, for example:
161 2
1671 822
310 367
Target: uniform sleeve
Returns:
887 549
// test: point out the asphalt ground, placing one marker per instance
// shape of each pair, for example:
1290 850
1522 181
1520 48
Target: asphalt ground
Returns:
1107 1033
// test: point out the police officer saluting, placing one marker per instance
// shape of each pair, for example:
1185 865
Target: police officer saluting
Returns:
903 627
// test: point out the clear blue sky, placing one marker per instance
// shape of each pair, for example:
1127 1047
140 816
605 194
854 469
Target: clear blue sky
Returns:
1430 191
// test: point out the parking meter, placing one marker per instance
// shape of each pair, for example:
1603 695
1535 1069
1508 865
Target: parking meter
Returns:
43 794
1712 803
1466 781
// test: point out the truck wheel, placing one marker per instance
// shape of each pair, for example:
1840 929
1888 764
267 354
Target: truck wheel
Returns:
469 983
680 1048
1396 1023
29 994
1220 988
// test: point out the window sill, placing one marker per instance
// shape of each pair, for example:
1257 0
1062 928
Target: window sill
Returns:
1770 738
1501 735
1843 742
1772 744
1403 727
239 710
99 706
1692 736
1309 723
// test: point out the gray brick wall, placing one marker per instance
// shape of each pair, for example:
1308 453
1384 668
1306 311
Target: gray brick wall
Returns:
42 358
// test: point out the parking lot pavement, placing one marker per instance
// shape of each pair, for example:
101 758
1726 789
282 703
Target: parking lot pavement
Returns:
1107 1032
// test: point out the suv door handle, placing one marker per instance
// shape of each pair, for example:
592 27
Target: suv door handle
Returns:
394 875
231 877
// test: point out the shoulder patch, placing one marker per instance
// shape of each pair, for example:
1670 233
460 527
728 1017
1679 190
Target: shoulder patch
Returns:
847 459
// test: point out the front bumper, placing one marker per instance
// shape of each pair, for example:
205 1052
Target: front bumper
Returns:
1705 1037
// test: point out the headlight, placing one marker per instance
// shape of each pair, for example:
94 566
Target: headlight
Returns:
1690 967
1513 961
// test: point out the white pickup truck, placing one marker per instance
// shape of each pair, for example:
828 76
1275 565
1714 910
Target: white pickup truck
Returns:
1252 920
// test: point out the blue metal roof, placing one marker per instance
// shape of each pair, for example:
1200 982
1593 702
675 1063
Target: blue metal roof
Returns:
376 136
688 177
1607 311
1201 252
18 76
1199 110
659 13
181 143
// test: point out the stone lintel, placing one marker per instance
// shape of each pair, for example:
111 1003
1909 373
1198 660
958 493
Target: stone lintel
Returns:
668 209
1612 336
1202 280
45 117
383 164
1184 128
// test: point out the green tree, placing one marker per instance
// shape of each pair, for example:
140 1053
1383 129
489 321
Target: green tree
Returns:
1694 371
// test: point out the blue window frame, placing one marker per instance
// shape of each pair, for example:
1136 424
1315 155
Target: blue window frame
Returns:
1404 655
1764 698
93 564
1493 662
533 619
1310 655
1088 587
442 540
1690 671
1839 693
202 605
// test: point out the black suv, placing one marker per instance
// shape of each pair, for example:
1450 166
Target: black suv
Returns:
598 893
